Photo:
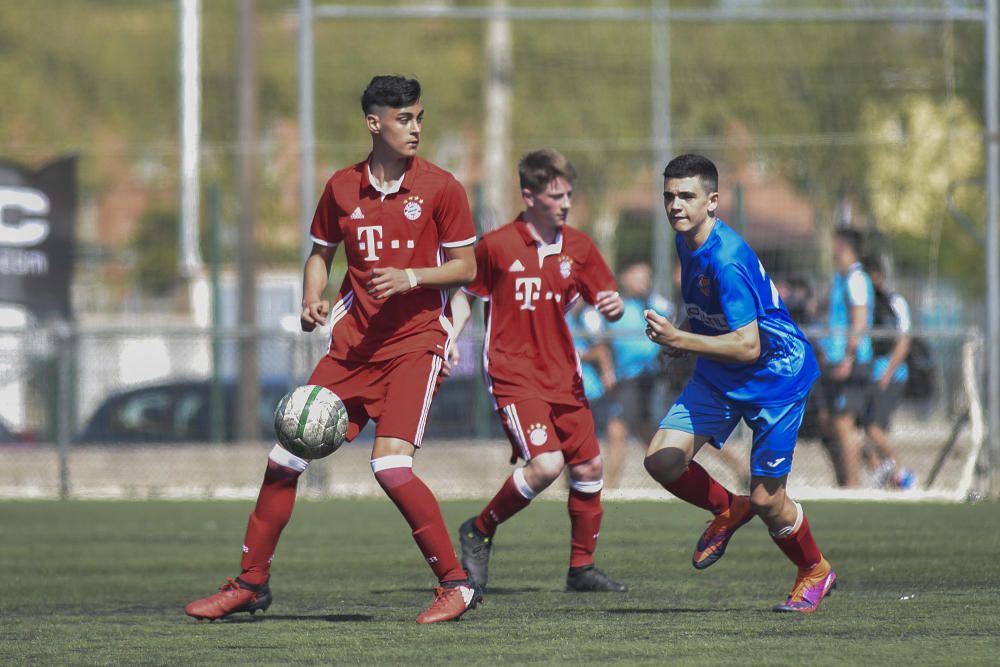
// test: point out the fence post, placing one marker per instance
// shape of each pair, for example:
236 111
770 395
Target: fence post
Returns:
65 402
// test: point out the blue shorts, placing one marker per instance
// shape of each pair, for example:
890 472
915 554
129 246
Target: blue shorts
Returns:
701 410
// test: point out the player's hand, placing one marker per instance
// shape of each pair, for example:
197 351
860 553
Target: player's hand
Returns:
314 313
609 304
661 331
451 358
884 381
842 371
387 281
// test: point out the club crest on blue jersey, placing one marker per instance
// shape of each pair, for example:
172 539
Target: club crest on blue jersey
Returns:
413 207
704 285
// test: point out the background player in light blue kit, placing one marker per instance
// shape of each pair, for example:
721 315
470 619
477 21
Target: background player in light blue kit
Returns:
753 364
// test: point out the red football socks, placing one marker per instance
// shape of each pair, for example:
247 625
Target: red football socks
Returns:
585 513
506 503
697 487
268 519
800 547
421 510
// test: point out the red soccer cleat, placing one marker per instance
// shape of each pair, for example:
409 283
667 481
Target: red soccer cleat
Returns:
232 598
452 601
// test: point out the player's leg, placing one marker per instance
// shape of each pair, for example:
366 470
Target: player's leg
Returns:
399 431
617 439
699 416
575 428
275 502
528 425
775 431
887 472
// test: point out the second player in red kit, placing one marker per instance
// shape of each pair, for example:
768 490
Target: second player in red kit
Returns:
529 273
407 232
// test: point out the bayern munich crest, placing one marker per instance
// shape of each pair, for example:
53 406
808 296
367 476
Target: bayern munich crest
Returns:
413 207
538 434
565 266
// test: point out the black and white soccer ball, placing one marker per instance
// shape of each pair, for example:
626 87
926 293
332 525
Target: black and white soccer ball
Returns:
310 422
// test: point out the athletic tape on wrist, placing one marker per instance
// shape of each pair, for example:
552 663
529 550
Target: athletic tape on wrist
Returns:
389 462
522 485
411 275
285 458
586 487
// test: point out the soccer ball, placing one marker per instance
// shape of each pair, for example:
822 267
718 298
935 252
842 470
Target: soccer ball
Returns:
310 422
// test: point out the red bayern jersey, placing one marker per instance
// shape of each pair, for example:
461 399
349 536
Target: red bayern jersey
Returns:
408 227
528 287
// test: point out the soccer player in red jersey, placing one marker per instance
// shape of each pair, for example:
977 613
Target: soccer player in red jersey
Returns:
530 272
407 231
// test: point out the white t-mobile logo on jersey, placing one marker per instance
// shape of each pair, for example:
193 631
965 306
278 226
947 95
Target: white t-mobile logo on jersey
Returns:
370 244
527 291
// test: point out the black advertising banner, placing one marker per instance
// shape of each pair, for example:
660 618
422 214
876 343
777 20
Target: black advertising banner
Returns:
37 237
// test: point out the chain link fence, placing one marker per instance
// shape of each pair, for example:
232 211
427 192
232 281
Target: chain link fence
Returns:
138 413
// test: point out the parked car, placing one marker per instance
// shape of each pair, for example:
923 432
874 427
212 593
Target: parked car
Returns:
180 411
177 411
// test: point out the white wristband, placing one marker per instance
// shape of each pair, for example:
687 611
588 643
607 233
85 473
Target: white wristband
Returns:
412 277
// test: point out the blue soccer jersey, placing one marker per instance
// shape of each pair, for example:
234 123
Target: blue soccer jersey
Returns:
725 287
850 290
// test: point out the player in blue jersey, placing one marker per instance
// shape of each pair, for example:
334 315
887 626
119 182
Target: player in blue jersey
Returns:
754 364
846 386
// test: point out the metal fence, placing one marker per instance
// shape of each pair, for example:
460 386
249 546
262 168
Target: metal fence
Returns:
140 413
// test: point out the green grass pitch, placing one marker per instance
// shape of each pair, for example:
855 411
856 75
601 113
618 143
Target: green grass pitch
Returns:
105 583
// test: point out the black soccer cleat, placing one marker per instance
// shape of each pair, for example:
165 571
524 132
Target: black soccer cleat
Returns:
476 550
592 579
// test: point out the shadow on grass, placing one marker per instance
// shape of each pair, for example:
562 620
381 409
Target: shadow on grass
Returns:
500 590
669 610
327 618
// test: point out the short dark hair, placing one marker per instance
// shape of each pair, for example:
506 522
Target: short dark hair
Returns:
394 92
690 165
876 262
539 168
852 238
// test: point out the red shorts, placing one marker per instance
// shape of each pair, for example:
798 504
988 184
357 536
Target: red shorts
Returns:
395 393
535 426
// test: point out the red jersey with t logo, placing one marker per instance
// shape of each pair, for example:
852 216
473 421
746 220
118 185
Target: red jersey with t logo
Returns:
407 226
528 287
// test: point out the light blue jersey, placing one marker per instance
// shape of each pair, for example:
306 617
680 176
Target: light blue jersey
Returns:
849 290
633 352
725 287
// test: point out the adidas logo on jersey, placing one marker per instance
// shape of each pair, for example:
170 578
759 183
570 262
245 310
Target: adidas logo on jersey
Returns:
357 214
516 267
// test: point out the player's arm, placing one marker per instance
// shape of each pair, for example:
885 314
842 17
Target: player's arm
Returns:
461 313
458 270
741 346
858 317
902 346
599 354
315 276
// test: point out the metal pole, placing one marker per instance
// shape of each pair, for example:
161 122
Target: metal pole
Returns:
248 391
66 346
307 128
663 253
216 399
496 130
992 91
190 122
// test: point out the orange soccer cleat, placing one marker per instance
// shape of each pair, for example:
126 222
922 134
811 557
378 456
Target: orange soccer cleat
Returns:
233 597
712 543
811 586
